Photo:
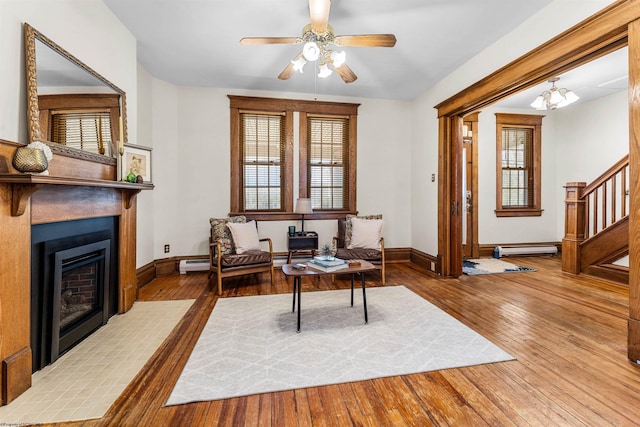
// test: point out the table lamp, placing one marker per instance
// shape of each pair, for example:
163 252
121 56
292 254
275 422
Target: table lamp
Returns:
303 206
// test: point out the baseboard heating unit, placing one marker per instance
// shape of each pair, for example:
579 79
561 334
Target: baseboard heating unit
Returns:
188 265
525 250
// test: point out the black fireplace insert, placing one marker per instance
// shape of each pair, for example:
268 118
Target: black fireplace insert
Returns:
73 284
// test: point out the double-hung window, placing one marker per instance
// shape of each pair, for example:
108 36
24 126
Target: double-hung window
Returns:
262 157
518 165
328 162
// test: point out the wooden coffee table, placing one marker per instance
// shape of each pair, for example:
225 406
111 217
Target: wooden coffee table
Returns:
297 274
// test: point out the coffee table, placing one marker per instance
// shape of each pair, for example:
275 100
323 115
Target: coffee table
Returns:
298 274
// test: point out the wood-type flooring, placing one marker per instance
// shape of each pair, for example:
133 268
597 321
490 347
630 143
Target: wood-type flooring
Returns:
568 333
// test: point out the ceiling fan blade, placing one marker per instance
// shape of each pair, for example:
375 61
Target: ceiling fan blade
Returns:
253 41
346 73
319 12
367 40
288 70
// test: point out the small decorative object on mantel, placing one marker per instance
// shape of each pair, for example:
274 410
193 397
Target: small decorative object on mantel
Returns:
33 158
139 179
131 177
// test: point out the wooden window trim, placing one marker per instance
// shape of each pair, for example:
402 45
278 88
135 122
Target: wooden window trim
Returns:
288 107
523 120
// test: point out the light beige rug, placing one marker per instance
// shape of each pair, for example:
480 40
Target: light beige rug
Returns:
250 345
85 381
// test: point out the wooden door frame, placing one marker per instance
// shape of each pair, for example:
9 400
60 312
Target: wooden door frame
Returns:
596 36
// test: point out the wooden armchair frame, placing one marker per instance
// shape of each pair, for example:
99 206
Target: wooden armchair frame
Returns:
380 264
216 267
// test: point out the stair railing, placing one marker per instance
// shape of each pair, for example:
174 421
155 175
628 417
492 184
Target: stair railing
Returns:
590 209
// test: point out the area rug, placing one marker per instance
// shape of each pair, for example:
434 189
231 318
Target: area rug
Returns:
250 345
85 381
491 266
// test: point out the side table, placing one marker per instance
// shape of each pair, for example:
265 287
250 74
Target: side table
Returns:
306 241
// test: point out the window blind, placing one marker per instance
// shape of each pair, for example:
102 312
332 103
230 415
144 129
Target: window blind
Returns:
89 131
328 156
517 167
262 151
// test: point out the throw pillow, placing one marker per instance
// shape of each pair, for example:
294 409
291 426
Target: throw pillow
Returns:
221 233
366 233
347 228
245 236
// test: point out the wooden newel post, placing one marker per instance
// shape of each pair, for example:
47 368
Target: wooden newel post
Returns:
574 226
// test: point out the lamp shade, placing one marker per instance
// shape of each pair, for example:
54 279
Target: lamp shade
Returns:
303 206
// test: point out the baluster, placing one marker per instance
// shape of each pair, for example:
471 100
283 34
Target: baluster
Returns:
614 199
624 192
603 206
595 213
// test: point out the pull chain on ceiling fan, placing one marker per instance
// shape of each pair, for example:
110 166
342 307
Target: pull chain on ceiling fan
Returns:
317 37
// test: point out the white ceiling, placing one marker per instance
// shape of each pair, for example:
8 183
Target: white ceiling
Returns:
196 42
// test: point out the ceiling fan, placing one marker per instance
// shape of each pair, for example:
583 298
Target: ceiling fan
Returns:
317 37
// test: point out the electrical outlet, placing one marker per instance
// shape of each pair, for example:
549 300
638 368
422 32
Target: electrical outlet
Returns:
166 249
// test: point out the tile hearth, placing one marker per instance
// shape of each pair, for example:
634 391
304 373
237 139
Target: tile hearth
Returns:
85 381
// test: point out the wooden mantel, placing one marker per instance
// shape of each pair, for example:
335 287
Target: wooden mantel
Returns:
25 184
76 188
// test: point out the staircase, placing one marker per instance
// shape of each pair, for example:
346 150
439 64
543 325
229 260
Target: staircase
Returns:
597 225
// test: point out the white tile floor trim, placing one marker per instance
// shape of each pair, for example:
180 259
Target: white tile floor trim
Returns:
85 381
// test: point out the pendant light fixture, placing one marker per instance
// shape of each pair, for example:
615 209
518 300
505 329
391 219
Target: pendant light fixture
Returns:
554 97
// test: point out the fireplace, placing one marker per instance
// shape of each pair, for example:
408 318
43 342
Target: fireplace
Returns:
73 284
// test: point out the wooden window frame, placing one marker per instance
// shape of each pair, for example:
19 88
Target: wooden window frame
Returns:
288 107
533 122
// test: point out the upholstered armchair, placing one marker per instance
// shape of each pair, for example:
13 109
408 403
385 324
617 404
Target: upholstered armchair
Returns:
235 250
360 237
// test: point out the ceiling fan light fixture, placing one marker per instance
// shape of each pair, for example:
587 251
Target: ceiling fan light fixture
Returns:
338 58
311 51
325 71
298 64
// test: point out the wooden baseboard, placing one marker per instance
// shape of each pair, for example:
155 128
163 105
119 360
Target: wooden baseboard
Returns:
166 266
427 261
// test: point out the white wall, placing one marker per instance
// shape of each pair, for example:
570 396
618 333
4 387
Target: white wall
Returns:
590 138
191 149
552 20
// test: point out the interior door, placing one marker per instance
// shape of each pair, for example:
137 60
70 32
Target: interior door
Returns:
470 248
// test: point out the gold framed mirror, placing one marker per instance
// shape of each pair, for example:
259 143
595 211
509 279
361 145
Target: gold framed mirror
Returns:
70 106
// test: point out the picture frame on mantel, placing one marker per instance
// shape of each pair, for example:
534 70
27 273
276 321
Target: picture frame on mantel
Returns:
137 158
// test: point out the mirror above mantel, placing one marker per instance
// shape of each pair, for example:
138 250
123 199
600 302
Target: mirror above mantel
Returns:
70 106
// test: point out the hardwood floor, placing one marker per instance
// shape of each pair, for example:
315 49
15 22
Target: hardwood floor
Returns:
568 335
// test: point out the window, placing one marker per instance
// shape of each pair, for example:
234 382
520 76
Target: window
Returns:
262 157
328 162
518 168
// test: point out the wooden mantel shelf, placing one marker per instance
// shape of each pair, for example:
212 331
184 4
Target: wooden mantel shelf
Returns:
25 184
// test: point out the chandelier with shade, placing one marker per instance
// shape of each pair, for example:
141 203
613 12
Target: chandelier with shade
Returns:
554 97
